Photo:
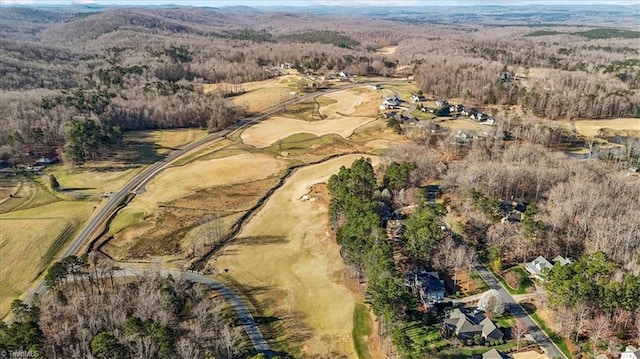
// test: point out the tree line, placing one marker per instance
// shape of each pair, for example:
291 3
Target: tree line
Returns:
93 314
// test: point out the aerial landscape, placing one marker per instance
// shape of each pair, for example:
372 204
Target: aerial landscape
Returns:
334 179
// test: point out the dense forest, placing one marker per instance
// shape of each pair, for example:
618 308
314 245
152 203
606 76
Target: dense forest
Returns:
128 69
95 313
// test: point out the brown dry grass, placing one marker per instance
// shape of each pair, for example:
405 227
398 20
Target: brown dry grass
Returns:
460 124
286 251
260 95
179 182
268 132
347 111
613 126
26 236
179 198
387 50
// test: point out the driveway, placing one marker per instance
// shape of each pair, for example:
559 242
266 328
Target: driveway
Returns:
516 309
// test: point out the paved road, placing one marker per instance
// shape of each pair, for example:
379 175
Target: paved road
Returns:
516 309
138 182
243 313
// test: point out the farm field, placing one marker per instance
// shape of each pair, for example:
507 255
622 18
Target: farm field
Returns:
30 238
301 278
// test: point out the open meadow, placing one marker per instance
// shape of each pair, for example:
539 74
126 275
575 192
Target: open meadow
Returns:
36 222
287 258
29 240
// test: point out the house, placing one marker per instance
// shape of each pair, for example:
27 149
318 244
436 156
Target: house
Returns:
376 87
48 158
630 353
427 285
494 354
442 103
391 102
286 66
417 98
344 75
562 260
390 115
537 266
466 324
469 112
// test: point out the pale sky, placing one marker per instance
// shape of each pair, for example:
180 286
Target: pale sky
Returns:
222 3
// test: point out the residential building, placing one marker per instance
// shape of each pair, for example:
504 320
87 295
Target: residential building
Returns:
466 324
427 285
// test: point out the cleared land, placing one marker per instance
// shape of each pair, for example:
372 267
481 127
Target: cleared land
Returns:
340 118
614 126
30 238
387 50
260 95
529 355
286 256
182 199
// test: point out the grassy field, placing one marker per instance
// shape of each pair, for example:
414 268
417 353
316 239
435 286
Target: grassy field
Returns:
126 218
592 128
30 239
361 330
524 285
36 224
300 280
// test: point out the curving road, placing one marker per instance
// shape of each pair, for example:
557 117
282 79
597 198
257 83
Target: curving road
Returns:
516 309
138 182
243 313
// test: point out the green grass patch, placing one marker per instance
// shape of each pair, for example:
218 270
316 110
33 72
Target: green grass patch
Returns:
302 143
526 281
555 337
361 329
609 33
480 284
126 218
424 338
542 33
422 115
505 321
473 352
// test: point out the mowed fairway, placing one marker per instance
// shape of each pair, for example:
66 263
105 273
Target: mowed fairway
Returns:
260 95
26 240
347 110
287 252
592 128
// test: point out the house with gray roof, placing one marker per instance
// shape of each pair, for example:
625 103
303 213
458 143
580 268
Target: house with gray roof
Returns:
466 324
537 266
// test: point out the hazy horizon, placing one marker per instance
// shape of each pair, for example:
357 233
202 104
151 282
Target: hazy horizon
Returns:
297 3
